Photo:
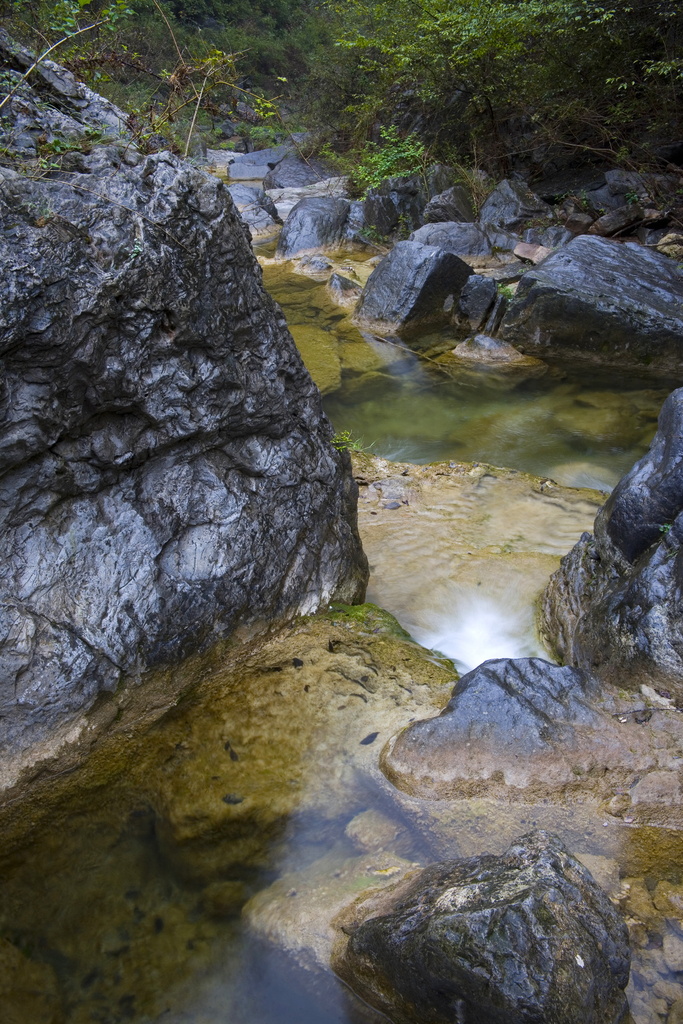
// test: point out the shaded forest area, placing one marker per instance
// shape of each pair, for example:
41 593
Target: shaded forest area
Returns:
495 86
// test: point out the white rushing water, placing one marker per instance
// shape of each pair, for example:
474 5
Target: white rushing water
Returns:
476 626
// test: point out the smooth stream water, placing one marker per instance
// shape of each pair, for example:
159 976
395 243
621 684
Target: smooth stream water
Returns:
129 937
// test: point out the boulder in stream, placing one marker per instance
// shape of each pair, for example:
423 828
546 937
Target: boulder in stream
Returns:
462 239
411 286
167 467
455 204
601 300
294 172
313 225
256 209
511 206
525 937
614 607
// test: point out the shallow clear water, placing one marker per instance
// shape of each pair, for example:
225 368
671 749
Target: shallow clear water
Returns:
580 425
99 900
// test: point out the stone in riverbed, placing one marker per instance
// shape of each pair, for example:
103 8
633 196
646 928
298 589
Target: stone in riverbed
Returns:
483 349
511 205
343 291
29 993
256 210
613 606
314 225
461 239
410 286
602 300
476 299
455 204
616 221
293 172
161 436
517 939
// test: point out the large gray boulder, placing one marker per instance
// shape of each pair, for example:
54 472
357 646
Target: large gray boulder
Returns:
410 286
525 938
511 206
460 238
603 300
314 225
477 298
167 472
455 204
257 210
293 172
614 604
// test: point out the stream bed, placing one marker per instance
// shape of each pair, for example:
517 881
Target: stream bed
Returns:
129 929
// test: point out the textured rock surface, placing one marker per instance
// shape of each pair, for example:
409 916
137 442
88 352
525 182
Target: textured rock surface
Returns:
314 224
603 300
293 172
167 472
50 105
256 209
517 939
511 205
455 204
614 604
459 238
410 286
343 291
476 299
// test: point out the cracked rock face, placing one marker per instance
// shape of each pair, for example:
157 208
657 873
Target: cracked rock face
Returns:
614 605
166 471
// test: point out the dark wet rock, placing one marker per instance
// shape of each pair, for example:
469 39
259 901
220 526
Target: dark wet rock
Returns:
504 241
476 299
617 221
312 225
293 172
578 223
410 286
518 939
459 238
496 315
455 204
571 182
603 300
167 471
511 205
624 185
614 605
256 209
400 202
343 291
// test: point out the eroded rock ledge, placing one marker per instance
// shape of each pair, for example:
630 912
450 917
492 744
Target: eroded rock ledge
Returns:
166 471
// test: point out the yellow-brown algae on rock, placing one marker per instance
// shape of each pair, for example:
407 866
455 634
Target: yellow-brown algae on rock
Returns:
28 990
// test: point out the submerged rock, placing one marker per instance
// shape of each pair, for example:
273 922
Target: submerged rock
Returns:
614 606
483 349
410 286
343 291
517 939
602 300
167 471
314 224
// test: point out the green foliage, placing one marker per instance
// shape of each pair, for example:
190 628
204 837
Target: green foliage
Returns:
394 156
343 442
507 76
